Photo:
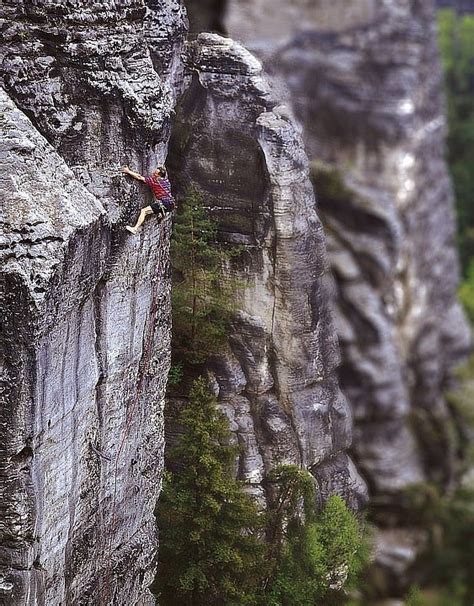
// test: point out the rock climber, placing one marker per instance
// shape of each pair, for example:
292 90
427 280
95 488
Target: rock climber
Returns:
163 203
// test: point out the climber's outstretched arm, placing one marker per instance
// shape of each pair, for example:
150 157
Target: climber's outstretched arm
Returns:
137 176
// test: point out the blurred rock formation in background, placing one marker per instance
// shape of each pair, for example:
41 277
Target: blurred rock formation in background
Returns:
364 81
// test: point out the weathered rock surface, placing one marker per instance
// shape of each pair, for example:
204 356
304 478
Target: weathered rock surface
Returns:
365 83
90 87
87 321
93 85
277 380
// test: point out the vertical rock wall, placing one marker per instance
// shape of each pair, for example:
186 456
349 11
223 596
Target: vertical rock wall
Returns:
277 378
365 83
88 87
93 85
87 324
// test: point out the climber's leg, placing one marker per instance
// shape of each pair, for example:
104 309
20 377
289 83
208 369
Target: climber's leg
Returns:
144 212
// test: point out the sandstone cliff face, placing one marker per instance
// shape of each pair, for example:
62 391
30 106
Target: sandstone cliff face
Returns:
365 84
88 87
87 323
277 380
93 85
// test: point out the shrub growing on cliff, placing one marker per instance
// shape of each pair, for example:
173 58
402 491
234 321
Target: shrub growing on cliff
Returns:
454 554
314 557
449 520
461 401
455 557
210 553
201 297
466 291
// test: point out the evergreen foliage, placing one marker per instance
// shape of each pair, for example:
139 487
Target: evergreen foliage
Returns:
312 557
200 298
215 547
211 534
449 519
454 561
455 557
456 35
175 374
300 575
466 290
210 553
344 550
461 401
414 597
293 498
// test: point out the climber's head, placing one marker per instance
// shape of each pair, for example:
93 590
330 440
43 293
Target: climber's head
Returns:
160 172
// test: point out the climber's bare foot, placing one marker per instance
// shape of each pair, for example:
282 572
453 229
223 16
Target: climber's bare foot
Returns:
132 230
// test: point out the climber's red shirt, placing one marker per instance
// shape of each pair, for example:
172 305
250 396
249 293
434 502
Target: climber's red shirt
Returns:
161 187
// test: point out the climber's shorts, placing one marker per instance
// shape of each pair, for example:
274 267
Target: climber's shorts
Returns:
162 206
158 208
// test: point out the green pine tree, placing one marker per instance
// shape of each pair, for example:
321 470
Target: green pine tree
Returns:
295 573
210 551
201 295
466 291
312 557
344 550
